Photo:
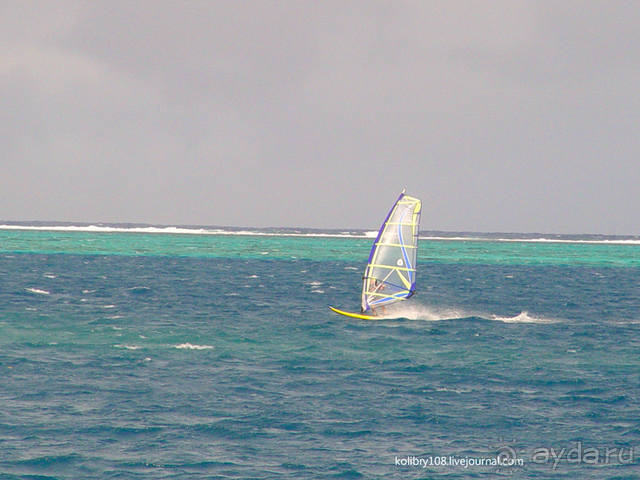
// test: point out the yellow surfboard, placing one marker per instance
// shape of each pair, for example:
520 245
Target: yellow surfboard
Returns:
355 315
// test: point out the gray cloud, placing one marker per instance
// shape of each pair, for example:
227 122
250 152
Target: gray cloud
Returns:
517 116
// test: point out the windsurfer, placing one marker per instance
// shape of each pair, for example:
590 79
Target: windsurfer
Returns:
376 286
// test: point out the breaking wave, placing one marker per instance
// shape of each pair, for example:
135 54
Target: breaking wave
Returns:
295 232
523 317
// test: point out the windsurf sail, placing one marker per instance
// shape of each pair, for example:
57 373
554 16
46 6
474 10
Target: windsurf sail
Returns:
390 275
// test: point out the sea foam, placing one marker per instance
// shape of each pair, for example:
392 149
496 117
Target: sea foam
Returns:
418 311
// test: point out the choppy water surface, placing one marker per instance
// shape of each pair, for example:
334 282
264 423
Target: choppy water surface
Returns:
156 355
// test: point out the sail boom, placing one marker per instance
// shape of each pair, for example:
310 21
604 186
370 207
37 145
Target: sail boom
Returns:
393 267
395 295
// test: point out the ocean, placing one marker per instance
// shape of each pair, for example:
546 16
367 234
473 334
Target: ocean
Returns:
142 352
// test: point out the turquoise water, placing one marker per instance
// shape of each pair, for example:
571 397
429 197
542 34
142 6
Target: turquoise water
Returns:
154 355
316 248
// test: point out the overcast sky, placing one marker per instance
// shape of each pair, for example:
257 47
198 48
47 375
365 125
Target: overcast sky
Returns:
500 115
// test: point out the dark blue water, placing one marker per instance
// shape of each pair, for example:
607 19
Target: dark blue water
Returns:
152 367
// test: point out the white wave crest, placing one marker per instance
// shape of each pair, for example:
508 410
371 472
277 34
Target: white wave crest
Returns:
522 317
38 291
611 241
189 346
